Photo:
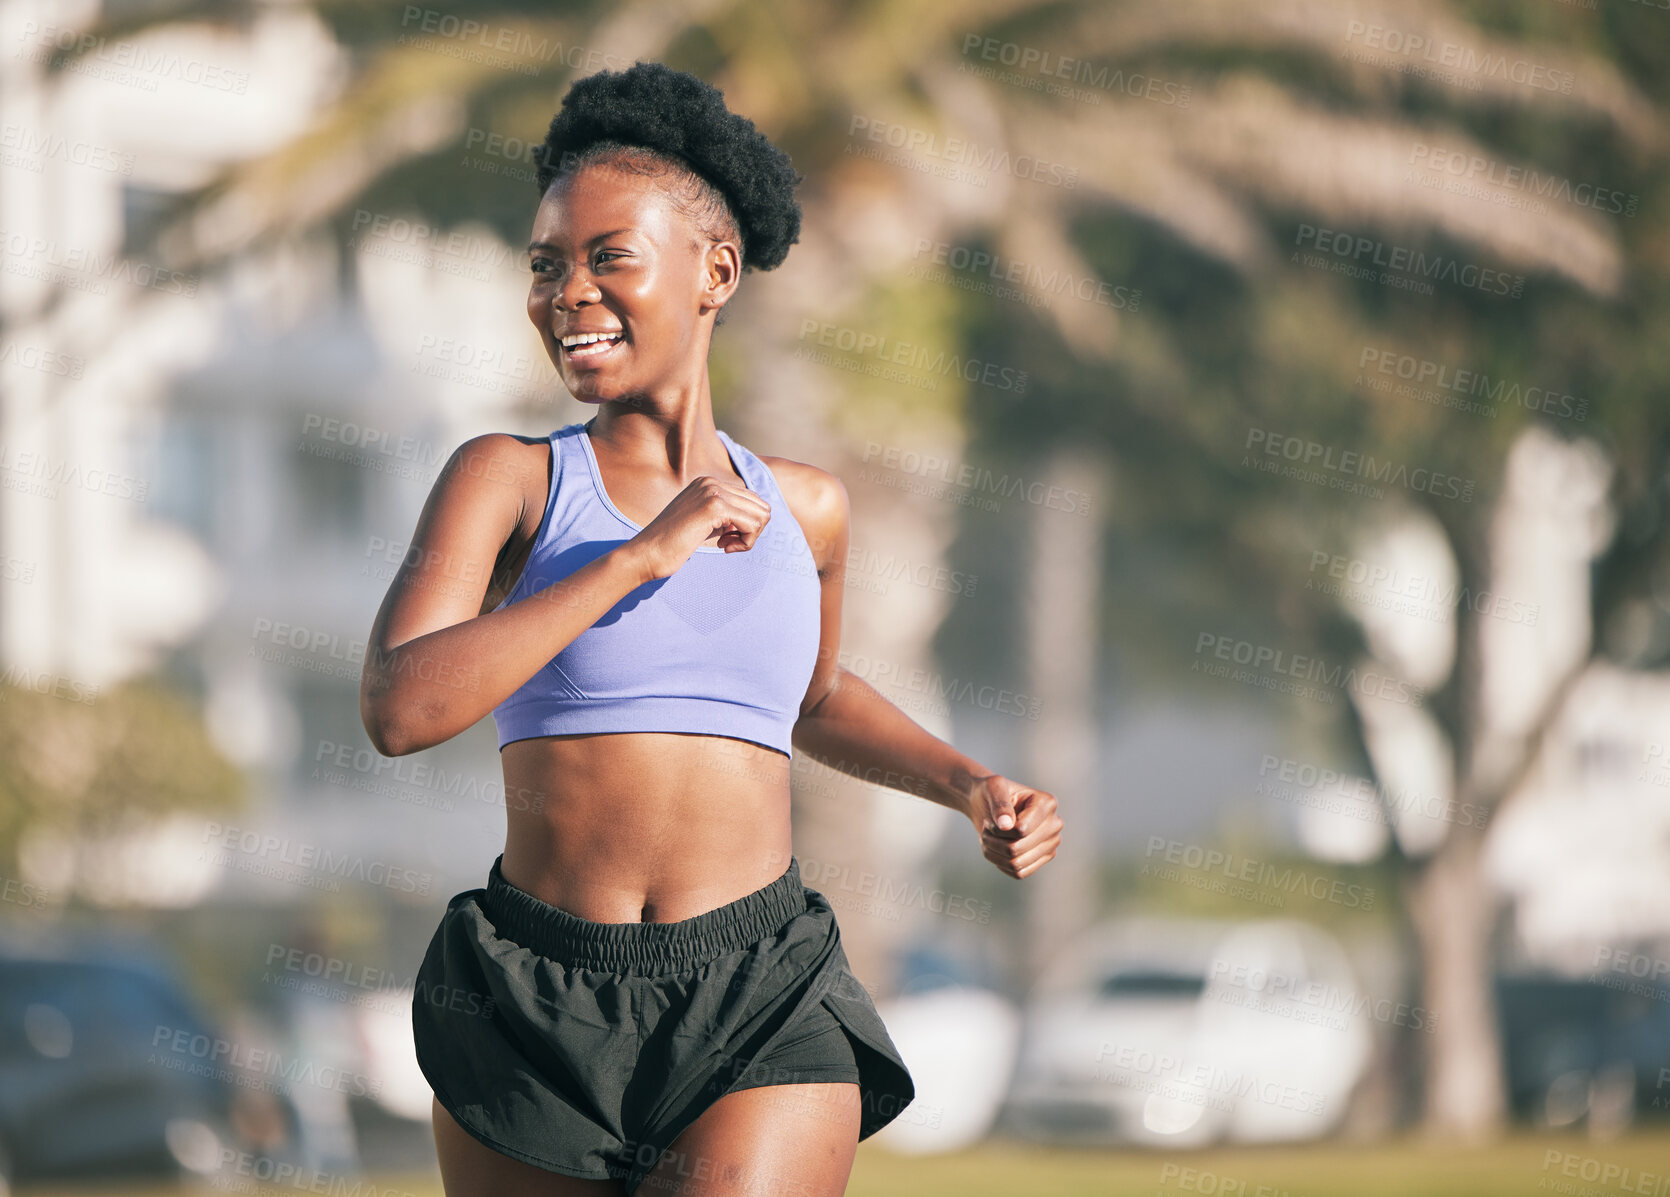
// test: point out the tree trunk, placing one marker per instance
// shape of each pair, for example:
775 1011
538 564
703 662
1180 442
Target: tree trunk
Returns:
1450 904
848 832
1061 623
1454 912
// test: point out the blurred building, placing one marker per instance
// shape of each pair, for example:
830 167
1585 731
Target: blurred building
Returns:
1583 850
213 473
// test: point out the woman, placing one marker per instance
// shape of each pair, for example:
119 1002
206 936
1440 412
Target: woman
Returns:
644 992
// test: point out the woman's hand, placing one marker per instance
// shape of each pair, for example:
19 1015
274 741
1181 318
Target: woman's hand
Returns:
708 506
1019 829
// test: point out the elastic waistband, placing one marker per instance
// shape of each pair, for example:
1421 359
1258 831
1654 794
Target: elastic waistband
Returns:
568 939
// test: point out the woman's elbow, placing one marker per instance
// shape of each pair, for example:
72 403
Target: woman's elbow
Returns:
389 734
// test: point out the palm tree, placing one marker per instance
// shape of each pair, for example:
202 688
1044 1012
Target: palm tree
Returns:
1199 141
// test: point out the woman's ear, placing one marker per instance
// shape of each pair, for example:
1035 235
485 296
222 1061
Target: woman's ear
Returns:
721 272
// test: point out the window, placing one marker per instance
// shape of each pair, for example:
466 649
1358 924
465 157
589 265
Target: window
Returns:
329 487
179 471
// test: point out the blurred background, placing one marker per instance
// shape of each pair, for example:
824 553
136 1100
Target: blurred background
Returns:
1256 423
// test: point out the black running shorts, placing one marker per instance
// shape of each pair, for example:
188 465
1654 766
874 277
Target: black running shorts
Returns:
586 1048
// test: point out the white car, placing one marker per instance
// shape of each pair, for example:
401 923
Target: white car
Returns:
959 1044
1184 1032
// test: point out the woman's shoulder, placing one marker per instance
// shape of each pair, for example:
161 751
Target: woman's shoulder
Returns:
507 456
515 461
817 498
496 456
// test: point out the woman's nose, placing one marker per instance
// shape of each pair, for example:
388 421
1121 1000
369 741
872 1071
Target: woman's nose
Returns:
576 289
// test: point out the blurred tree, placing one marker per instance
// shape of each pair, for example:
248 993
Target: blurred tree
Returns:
1253 336
97 764
1199 151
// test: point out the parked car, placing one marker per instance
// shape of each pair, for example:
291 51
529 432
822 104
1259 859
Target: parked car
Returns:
101 1072
957 1034
1183 1032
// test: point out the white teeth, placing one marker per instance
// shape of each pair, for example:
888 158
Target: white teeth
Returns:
569 342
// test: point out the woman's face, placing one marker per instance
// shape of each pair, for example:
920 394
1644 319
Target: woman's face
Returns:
611 254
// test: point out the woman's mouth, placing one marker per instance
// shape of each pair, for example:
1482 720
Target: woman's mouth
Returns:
590 348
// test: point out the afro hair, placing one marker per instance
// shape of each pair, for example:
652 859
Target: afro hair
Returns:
682 122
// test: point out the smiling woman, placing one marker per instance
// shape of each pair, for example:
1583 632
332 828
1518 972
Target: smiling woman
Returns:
630 997
709 182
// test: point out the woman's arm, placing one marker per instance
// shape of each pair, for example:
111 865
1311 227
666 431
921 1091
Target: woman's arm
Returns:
846 724
434 664
853 728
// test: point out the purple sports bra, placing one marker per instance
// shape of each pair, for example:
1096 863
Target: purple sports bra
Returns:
723 646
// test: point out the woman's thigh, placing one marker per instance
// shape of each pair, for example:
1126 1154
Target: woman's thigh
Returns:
470 1168
770 1141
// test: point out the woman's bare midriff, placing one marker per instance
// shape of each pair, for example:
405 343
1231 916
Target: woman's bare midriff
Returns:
650 827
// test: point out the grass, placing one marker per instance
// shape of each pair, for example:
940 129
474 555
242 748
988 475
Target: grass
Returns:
1521 1165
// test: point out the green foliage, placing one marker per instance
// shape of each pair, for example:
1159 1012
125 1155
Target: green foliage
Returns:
133 754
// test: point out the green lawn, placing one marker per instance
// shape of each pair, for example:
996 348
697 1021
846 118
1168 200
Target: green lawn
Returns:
1521 1166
